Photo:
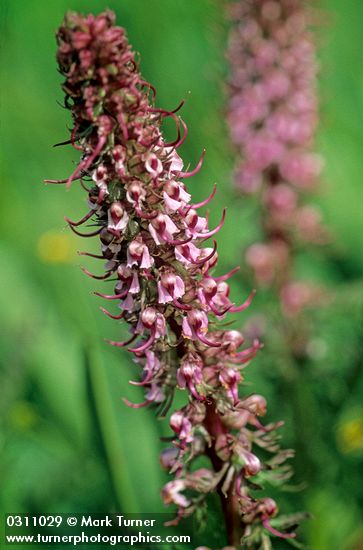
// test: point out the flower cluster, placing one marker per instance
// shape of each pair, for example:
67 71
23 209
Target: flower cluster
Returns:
152 242
272 119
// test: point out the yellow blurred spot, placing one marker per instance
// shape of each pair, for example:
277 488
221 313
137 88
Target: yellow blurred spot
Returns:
55 248
350 435
22 416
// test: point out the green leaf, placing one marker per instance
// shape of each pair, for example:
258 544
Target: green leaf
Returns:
130 436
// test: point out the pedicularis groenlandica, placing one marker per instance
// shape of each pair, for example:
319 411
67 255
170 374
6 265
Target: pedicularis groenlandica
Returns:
273 114
152 241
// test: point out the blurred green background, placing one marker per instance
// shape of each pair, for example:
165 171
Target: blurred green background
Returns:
68 443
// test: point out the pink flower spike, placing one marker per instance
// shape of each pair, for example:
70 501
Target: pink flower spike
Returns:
151 241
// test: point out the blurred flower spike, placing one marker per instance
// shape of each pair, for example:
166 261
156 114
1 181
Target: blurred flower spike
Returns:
272 119
152 241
